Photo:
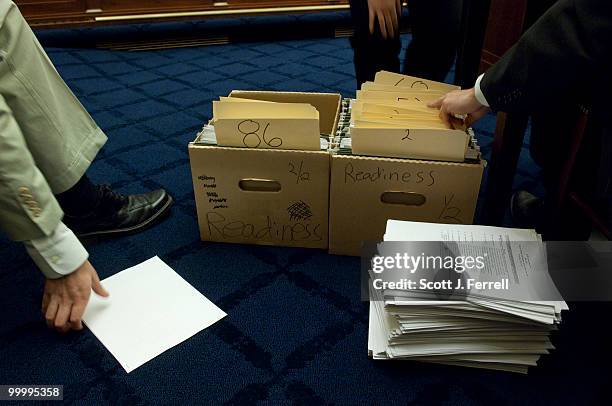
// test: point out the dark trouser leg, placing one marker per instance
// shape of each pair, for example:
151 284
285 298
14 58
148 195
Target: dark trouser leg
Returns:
436 25
79 200
546 127
372 52
551 140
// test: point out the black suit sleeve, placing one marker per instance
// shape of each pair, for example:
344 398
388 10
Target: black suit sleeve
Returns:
563 55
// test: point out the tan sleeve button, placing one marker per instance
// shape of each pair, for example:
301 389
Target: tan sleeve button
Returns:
55 259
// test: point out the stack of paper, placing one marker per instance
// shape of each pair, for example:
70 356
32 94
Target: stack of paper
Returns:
250 123
476 331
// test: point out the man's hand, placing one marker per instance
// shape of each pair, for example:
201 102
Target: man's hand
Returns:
388 13
65 299
460 102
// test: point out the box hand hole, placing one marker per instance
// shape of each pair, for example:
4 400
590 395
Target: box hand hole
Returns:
259 185
403 198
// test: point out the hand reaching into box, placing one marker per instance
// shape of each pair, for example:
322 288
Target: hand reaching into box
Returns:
460 102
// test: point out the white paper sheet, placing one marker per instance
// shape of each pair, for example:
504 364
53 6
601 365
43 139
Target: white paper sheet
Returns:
414 231
150 310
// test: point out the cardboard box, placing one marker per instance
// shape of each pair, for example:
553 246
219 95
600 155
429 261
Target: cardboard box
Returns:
365 192
266 196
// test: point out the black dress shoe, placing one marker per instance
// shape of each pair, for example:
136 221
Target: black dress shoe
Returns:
116 214
527 210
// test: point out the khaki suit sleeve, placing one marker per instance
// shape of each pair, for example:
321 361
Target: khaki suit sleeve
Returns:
28 208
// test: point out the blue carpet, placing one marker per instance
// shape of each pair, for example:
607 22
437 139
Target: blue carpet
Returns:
296 331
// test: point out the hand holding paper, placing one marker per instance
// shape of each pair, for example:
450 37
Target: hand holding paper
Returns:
65 299
391 118
460 102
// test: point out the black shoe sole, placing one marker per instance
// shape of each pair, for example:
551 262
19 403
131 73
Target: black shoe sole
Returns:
118 232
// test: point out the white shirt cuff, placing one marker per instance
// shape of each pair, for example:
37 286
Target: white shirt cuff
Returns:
58 254
479 95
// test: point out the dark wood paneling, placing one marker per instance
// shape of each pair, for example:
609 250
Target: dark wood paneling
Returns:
113 7
506 22
57 13
50 7
154 6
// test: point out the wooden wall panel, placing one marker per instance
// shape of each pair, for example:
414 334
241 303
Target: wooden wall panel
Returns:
153 6
506 21
57 13
50 7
